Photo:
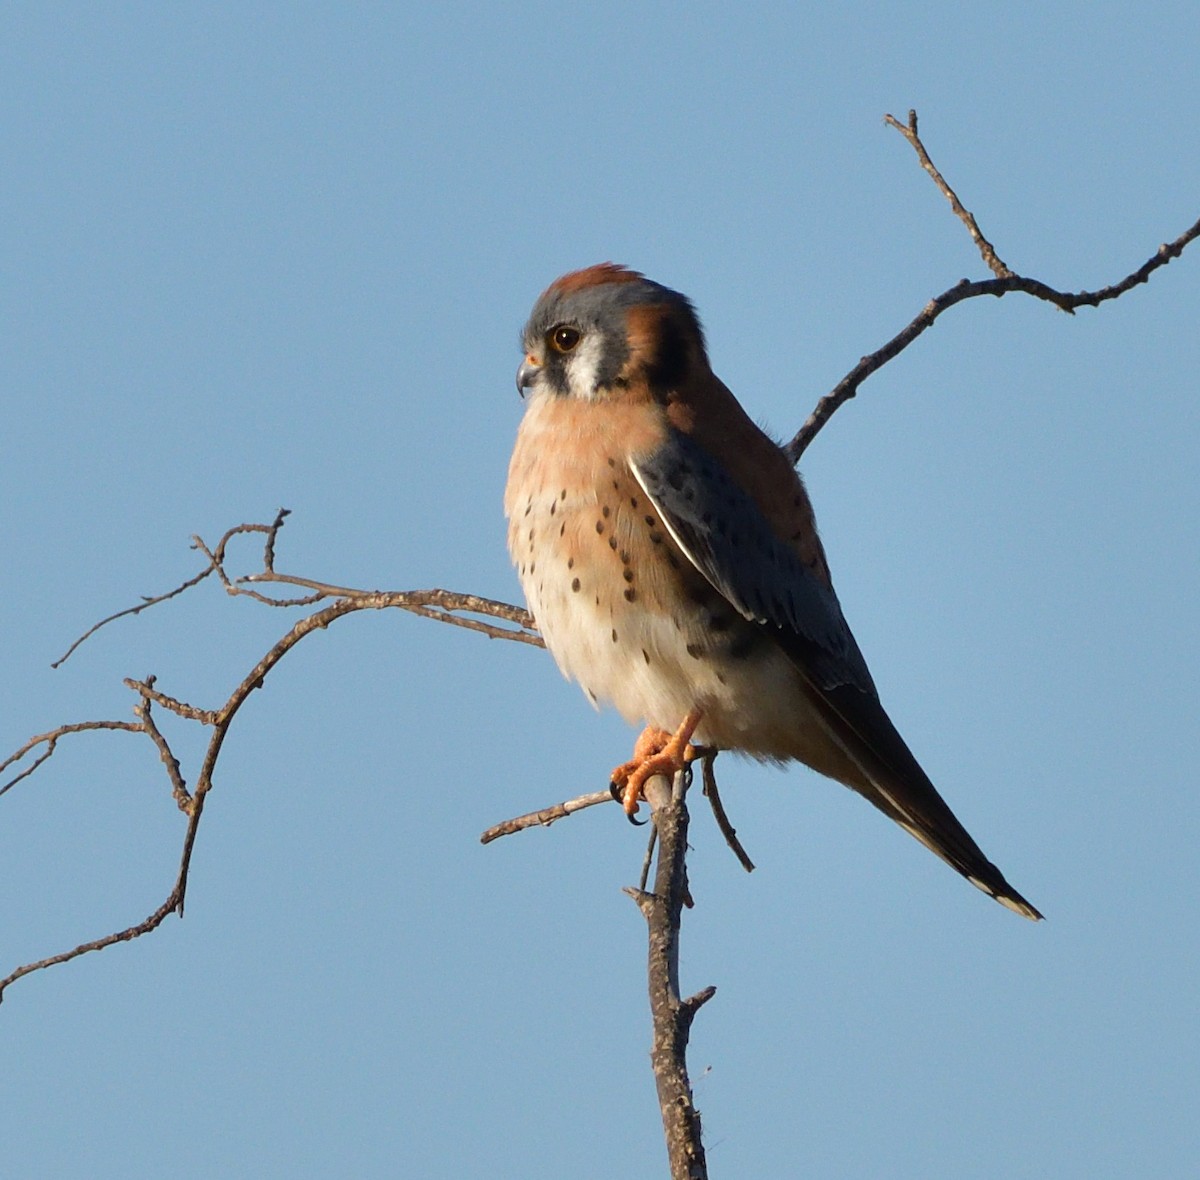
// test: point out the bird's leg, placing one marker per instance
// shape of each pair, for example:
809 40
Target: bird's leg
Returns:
655 752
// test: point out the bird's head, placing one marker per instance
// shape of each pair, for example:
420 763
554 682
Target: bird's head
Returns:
598 332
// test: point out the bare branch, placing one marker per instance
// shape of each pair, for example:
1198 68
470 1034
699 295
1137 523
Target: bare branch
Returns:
442 606
1006 282
174 900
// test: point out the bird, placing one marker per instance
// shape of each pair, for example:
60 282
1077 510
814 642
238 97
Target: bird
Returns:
668 552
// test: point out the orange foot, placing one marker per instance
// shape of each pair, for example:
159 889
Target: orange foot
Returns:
655 752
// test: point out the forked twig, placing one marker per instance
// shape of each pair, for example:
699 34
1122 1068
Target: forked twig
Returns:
1005 282
216 558
50 741
441 605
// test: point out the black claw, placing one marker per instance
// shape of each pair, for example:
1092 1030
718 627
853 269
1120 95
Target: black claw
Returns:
618 794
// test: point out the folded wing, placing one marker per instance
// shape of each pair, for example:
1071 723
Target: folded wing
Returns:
726 536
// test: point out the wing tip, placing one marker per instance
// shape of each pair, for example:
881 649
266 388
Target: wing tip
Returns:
995 886
1010 899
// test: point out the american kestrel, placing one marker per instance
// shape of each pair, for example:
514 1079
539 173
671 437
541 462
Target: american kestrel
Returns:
668 552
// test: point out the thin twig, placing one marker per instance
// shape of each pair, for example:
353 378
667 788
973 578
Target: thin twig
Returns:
718 809
545 817
179 789
179 708
145 604
986 249
144 927
322 589
50 741
272 533
648 859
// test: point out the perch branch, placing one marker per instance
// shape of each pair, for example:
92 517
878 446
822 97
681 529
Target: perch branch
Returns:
672 1016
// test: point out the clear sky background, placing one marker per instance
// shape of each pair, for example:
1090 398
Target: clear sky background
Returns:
263 255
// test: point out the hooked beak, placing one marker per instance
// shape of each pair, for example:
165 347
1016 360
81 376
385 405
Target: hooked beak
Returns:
527 374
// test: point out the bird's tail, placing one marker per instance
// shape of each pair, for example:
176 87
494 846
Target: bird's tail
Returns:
892 779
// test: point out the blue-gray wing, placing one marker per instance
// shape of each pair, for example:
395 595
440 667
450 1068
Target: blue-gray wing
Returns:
725 535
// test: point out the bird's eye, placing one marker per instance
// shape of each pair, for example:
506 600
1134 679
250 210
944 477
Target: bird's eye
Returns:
564 339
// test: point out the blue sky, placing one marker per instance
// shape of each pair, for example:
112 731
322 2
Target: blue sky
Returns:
279 255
